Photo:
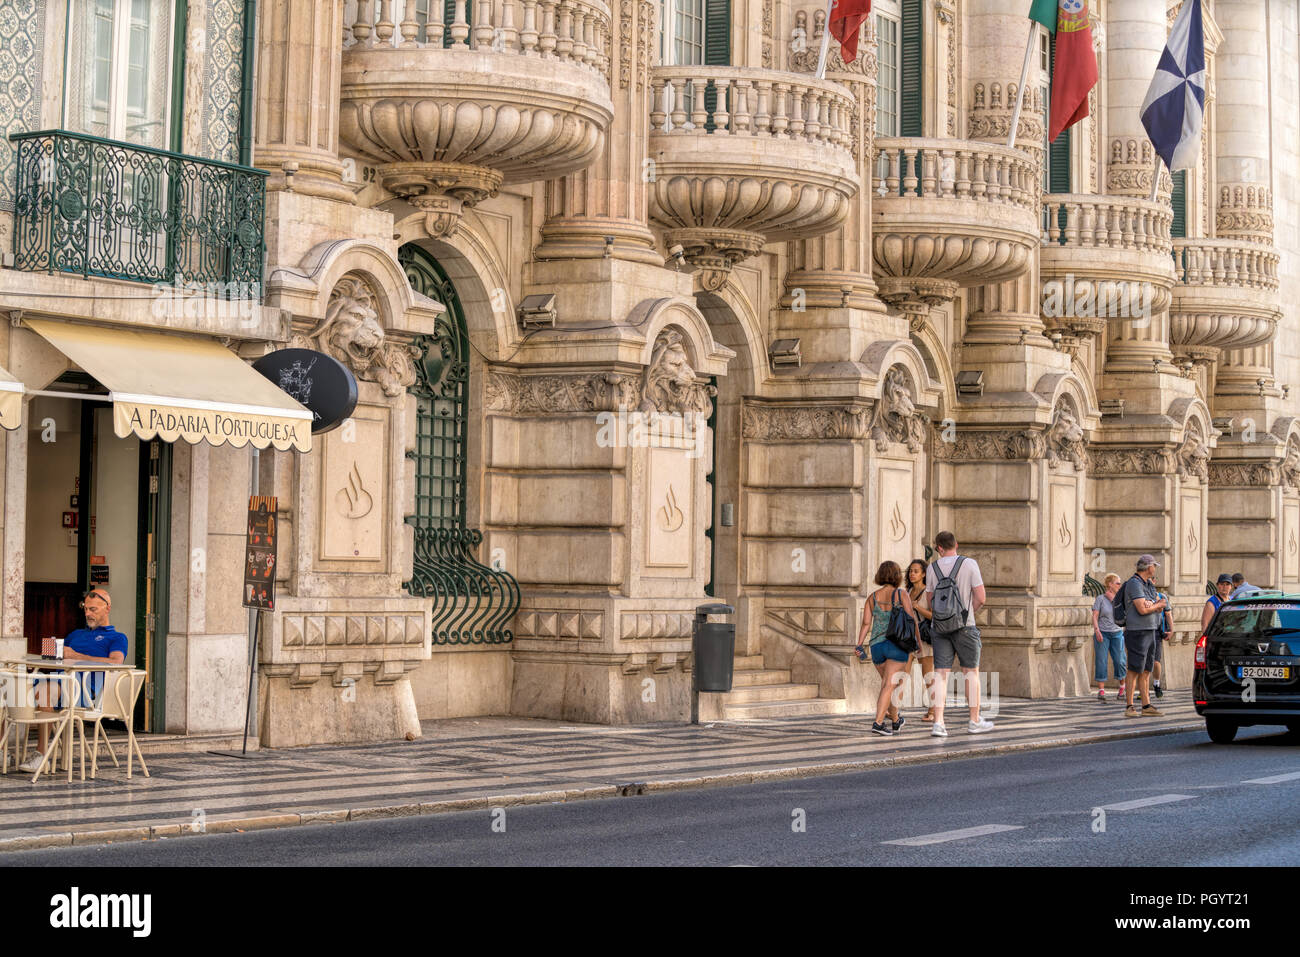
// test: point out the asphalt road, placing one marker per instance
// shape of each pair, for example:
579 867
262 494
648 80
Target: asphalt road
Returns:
1168 800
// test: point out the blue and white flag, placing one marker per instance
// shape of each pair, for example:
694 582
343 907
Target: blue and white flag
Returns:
1175 103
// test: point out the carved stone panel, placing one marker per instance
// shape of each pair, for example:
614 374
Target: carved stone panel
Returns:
895 532
354 489
1291 540
1063 531
1190 546
669 510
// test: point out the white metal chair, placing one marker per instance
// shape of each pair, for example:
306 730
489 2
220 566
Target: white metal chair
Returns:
115 702
27 691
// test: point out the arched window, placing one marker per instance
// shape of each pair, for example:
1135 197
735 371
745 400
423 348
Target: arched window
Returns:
473 603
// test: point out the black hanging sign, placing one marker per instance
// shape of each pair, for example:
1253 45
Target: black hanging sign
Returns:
320 382
259 553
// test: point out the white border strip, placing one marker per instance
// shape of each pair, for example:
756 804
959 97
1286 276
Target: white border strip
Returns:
204 405
7 386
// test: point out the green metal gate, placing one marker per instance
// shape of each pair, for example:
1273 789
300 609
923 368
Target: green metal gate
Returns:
473 602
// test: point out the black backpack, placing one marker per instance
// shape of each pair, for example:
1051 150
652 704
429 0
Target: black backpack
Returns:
948 611
1120 615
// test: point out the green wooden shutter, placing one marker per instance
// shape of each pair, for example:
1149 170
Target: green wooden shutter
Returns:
1179 228
449 15
717 32
1058 153
911 119
717 48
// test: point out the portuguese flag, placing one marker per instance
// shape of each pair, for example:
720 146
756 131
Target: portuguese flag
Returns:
846 23
1075 69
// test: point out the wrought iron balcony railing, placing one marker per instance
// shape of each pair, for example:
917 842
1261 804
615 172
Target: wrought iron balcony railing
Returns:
97 207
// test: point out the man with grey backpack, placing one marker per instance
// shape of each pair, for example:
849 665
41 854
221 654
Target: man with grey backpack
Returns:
955 590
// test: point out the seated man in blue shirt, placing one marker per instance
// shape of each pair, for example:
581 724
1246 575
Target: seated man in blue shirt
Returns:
98 641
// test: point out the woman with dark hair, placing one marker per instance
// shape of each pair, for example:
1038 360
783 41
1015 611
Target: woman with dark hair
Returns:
889 659
925 651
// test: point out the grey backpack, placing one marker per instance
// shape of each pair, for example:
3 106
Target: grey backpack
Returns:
949 612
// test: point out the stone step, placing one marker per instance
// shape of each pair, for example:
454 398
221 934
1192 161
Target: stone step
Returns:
784 709
781 692
748 662
766 676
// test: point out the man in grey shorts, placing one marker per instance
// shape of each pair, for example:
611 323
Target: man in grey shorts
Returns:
1144 609
962 644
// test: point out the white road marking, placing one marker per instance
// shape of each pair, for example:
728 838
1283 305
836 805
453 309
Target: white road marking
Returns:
1147 802
1275 779
965 832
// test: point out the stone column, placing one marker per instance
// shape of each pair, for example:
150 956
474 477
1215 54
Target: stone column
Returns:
608 198
1244 208
299 53
1136 31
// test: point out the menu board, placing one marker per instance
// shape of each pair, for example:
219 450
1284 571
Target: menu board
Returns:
259 553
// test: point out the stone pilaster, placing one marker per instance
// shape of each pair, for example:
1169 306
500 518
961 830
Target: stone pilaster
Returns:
299 48
608 198
1136 31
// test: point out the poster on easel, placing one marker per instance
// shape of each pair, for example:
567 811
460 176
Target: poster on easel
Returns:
259 553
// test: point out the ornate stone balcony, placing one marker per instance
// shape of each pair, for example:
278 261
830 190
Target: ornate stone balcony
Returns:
743 157
1103 257
1226 296
449 113
949 213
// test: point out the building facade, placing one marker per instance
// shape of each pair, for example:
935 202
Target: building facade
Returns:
643 315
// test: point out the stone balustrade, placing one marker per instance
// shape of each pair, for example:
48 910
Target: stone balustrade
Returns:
743 157
450 112
1117 222
949 213
748 102
1225 262
1106 249
954 169
571 31
1226 296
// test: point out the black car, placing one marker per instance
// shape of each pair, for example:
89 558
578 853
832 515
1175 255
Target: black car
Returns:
1247 665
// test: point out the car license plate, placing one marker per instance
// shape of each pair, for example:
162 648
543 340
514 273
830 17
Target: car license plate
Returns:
1258 672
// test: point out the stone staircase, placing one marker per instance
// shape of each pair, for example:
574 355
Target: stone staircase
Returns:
759 692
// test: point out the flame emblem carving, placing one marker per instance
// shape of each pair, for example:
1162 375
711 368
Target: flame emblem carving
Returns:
1063 534
1192 540
353 500
671 517
1291 542
897 526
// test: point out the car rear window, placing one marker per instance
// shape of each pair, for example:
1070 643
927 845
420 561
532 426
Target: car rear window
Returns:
1257 618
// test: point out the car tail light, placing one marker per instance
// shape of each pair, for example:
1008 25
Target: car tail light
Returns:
1198 662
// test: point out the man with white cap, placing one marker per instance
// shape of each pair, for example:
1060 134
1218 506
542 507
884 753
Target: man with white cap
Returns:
1144 609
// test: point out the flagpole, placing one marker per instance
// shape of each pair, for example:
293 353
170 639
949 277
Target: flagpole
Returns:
1155 179
1020 90
826 42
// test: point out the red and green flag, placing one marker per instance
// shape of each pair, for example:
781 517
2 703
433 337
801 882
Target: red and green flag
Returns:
1074 73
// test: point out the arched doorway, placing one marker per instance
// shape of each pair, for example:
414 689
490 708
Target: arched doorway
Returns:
474 603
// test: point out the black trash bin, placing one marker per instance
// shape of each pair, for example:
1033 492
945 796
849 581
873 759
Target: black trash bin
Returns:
714 644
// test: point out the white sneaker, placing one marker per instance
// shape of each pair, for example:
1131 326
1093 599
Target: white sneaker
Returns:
979 727
938 731
32 763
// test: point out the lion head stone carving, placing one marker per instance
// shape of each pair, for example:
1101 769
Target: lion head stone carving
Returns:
1065 440
1193 455
669 384
352 333
897 419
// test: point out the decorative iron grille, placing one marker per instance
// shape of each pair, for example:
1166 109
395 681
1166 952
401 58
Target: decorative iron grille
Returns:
473 603
1091 587
101 208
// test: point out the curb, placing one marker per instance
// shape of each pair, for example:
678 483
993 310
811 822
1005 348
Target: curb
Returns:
338 816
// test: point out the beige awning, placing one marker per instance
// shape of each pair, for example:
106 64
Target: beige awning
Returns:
181 388
11 401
